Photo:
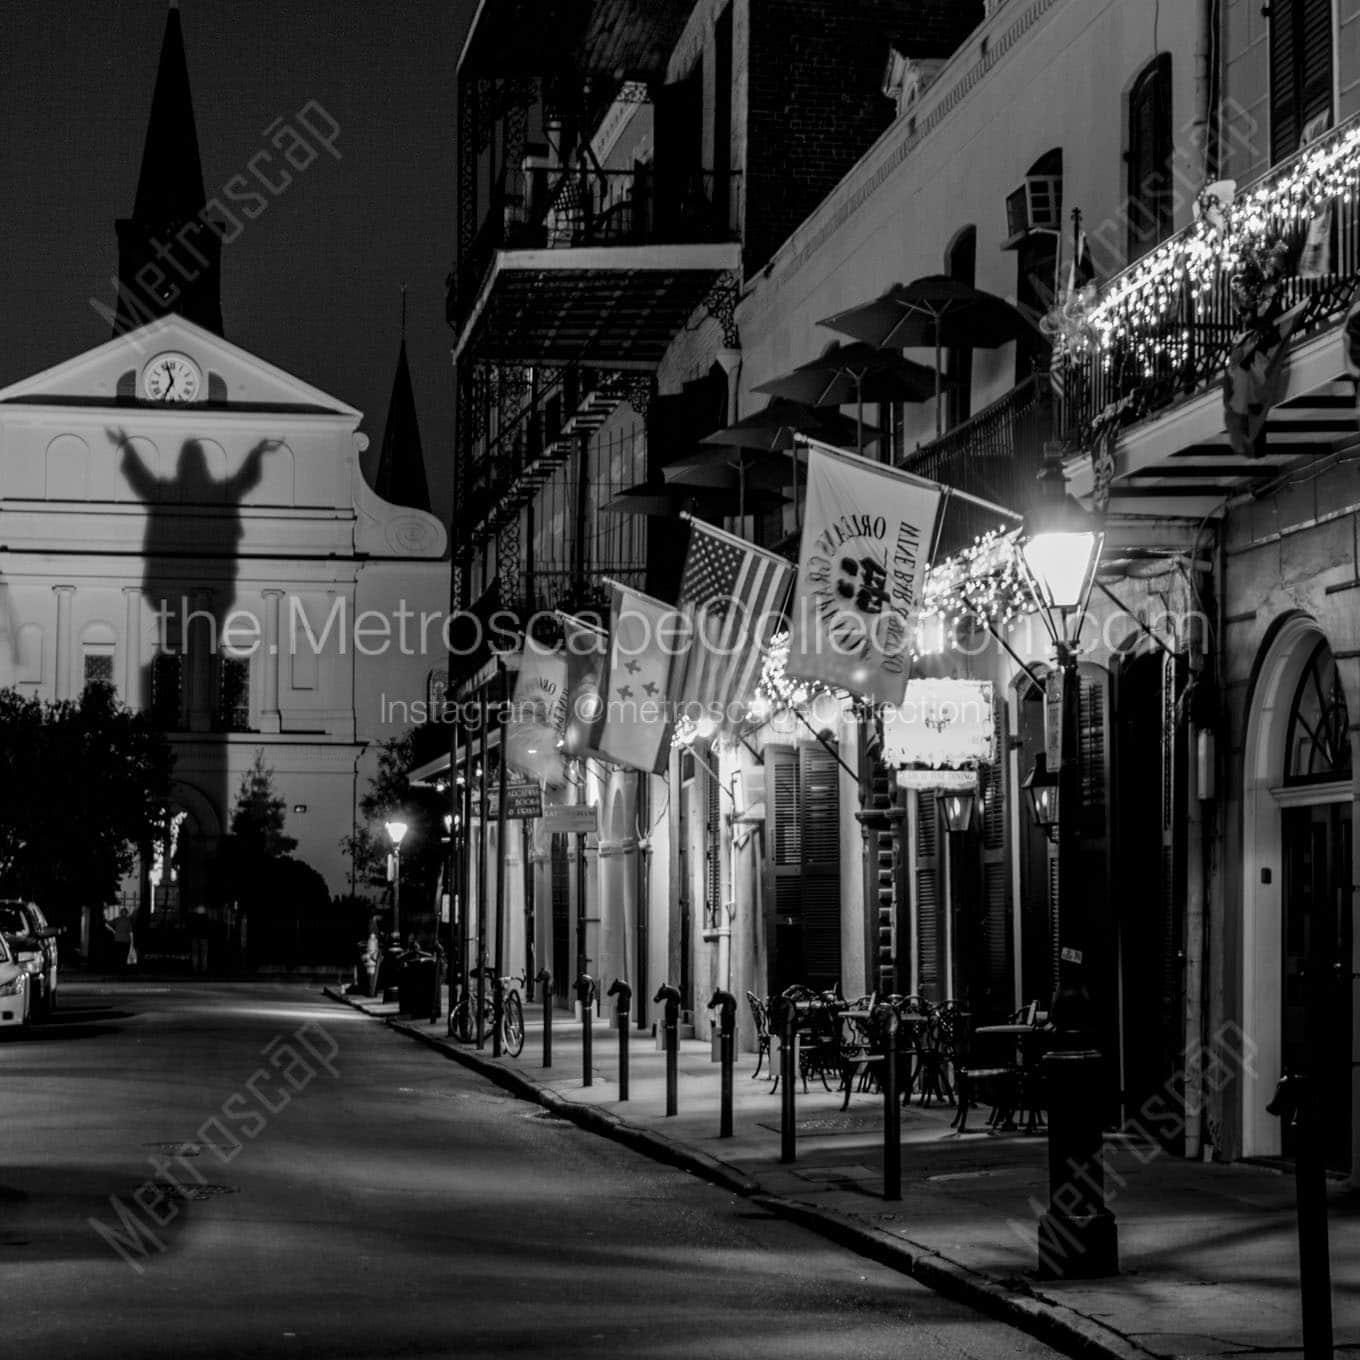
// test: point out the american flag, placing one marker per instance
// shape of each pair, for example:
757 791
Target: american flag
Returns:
730 596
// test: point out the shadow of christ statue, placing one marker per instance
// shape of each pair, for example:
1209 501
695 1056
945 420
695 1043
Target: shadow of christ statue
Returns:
190 568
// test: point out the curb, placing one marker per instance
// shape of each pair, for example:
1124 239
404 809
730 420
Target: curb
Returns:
1065 1329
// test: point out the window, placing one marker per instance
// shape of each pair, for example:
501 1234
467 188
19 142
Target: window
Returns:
961 264
1036 267
233 695
1318 746
1300 70
167 685
1151 201
99 666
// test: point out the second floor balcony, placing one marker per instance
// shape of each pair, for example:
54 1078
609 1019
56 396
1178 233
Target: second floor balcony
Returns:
588 265
1268 270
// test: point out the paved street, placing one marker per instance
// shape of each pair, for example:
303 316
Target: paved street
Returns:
345 1193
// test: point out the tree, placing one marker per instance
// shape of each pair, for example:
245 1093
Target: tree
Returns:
258 818
83 785
422 852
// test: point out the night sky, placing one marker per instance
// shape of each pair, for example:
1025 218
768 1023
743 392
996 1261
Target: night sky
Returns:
313 284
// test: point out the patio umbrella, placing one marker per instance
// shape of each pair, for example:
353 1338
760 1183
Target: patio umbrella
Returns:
775 426
857 372
933 311
670 500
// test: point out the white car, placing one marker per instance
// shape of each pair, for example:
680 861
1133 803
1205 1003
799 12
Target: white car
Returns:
15 990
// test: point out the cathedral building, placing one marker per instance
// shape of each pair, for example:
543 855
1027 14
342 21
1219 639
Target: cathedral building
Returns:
183 520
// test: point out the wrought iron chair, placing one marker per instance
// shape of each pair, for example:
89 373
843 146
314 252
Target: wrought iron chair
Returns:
761 1017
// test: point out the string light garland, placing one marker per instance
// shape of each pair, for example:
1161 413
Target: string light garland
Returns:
1239 240
980 586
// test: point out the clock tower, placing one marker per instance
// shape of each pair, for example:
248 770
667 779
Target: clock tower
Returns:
170 250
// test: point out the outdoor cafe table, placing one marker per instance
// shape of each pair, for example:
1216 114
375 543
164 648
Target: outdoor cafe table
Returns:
1031 1041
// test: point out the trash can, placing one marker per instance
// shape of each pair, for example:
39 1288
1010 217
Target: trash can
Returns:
416 985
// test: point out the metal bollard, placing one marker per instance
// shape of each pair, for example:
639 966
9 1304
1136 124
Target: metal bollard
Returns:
1296 1100
727 1023
671 1031
788 1075
585 994
624 992
1078 1236
545 978
886 1020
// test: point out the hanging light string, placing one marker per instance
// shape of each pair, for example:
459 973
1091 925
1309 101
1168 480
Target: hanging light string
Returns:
1140 303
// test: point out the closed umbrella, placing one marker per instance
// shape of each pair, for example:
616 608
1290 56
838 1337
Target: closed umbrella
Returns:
933 311
855 373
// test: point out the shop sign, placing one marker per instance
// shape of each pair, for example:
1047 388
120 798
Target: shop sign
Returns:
941 725
574 819
523 801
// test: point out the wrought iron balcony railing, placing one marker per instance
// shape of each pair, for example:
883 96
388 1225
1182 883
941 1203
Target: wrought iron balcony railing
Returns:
1164 328
534 433
997 455
556 208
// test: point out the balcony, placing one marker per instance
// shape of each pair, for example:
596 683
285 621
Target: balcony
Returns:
996 455
1163 332
531 440
593 266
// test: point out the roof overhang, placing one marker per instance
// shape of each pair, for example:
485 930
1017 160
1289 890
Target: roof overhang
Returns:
1180 465
608 37
612 306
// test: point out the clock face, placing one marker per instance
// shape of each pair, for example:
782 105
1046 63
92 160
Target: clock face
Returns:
172 377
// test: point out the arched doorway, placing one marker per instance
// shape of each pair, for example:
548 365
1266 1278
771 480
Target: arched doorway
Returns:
1297 936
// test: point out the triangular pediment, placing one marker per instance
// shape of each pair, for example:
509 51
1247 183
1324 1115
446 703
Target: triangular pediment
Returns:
112 374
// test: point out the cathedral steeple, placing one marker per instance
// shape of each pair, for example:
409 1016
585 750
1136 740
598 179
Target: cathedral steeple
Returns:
169 251
400 475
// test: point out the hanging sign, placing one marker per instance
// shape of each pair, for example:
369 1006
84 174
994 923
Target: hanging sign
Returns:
523 800
941 725
575 819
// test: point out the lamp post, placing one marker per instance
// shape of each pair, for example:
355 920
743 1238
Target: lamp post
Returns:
396 831
1060 552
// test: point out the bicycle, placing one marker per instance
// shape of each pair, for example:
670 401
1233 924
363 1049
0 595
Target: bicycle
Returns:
510 1018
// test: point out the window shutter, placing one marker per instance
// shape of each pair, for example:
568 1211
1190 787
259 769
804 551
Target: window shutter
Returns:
996 874
1300 70
819 816
929 899
783 855
561 916
713 847
1171 927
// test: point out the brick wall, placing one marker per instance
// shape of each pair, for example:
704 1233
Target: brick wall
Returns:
815 102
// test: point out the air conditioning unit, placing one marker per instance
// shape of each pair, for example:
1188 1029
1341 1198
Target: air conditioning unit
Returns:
1035 206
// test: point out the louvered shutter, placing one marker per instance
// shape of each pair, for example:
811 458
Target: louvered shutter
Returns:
1099 948
1171 926
929 902
819 815
783 858
713 848
1300 70
996 876
560 868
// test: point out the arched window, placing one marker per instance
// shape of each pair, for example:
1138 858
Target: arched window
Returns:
1151 200
1317 748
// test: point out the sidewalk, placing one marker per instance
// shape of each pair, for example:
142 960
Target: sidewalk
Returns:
1208 1253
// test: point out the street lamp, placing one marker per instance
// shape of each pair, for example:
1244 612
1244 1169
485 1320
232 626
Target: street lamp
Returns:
1041 792
1059 554
957 806
396 831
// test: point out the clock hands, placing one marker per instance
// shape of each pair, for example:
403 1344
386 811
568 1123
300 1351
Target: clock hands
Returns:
170 373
